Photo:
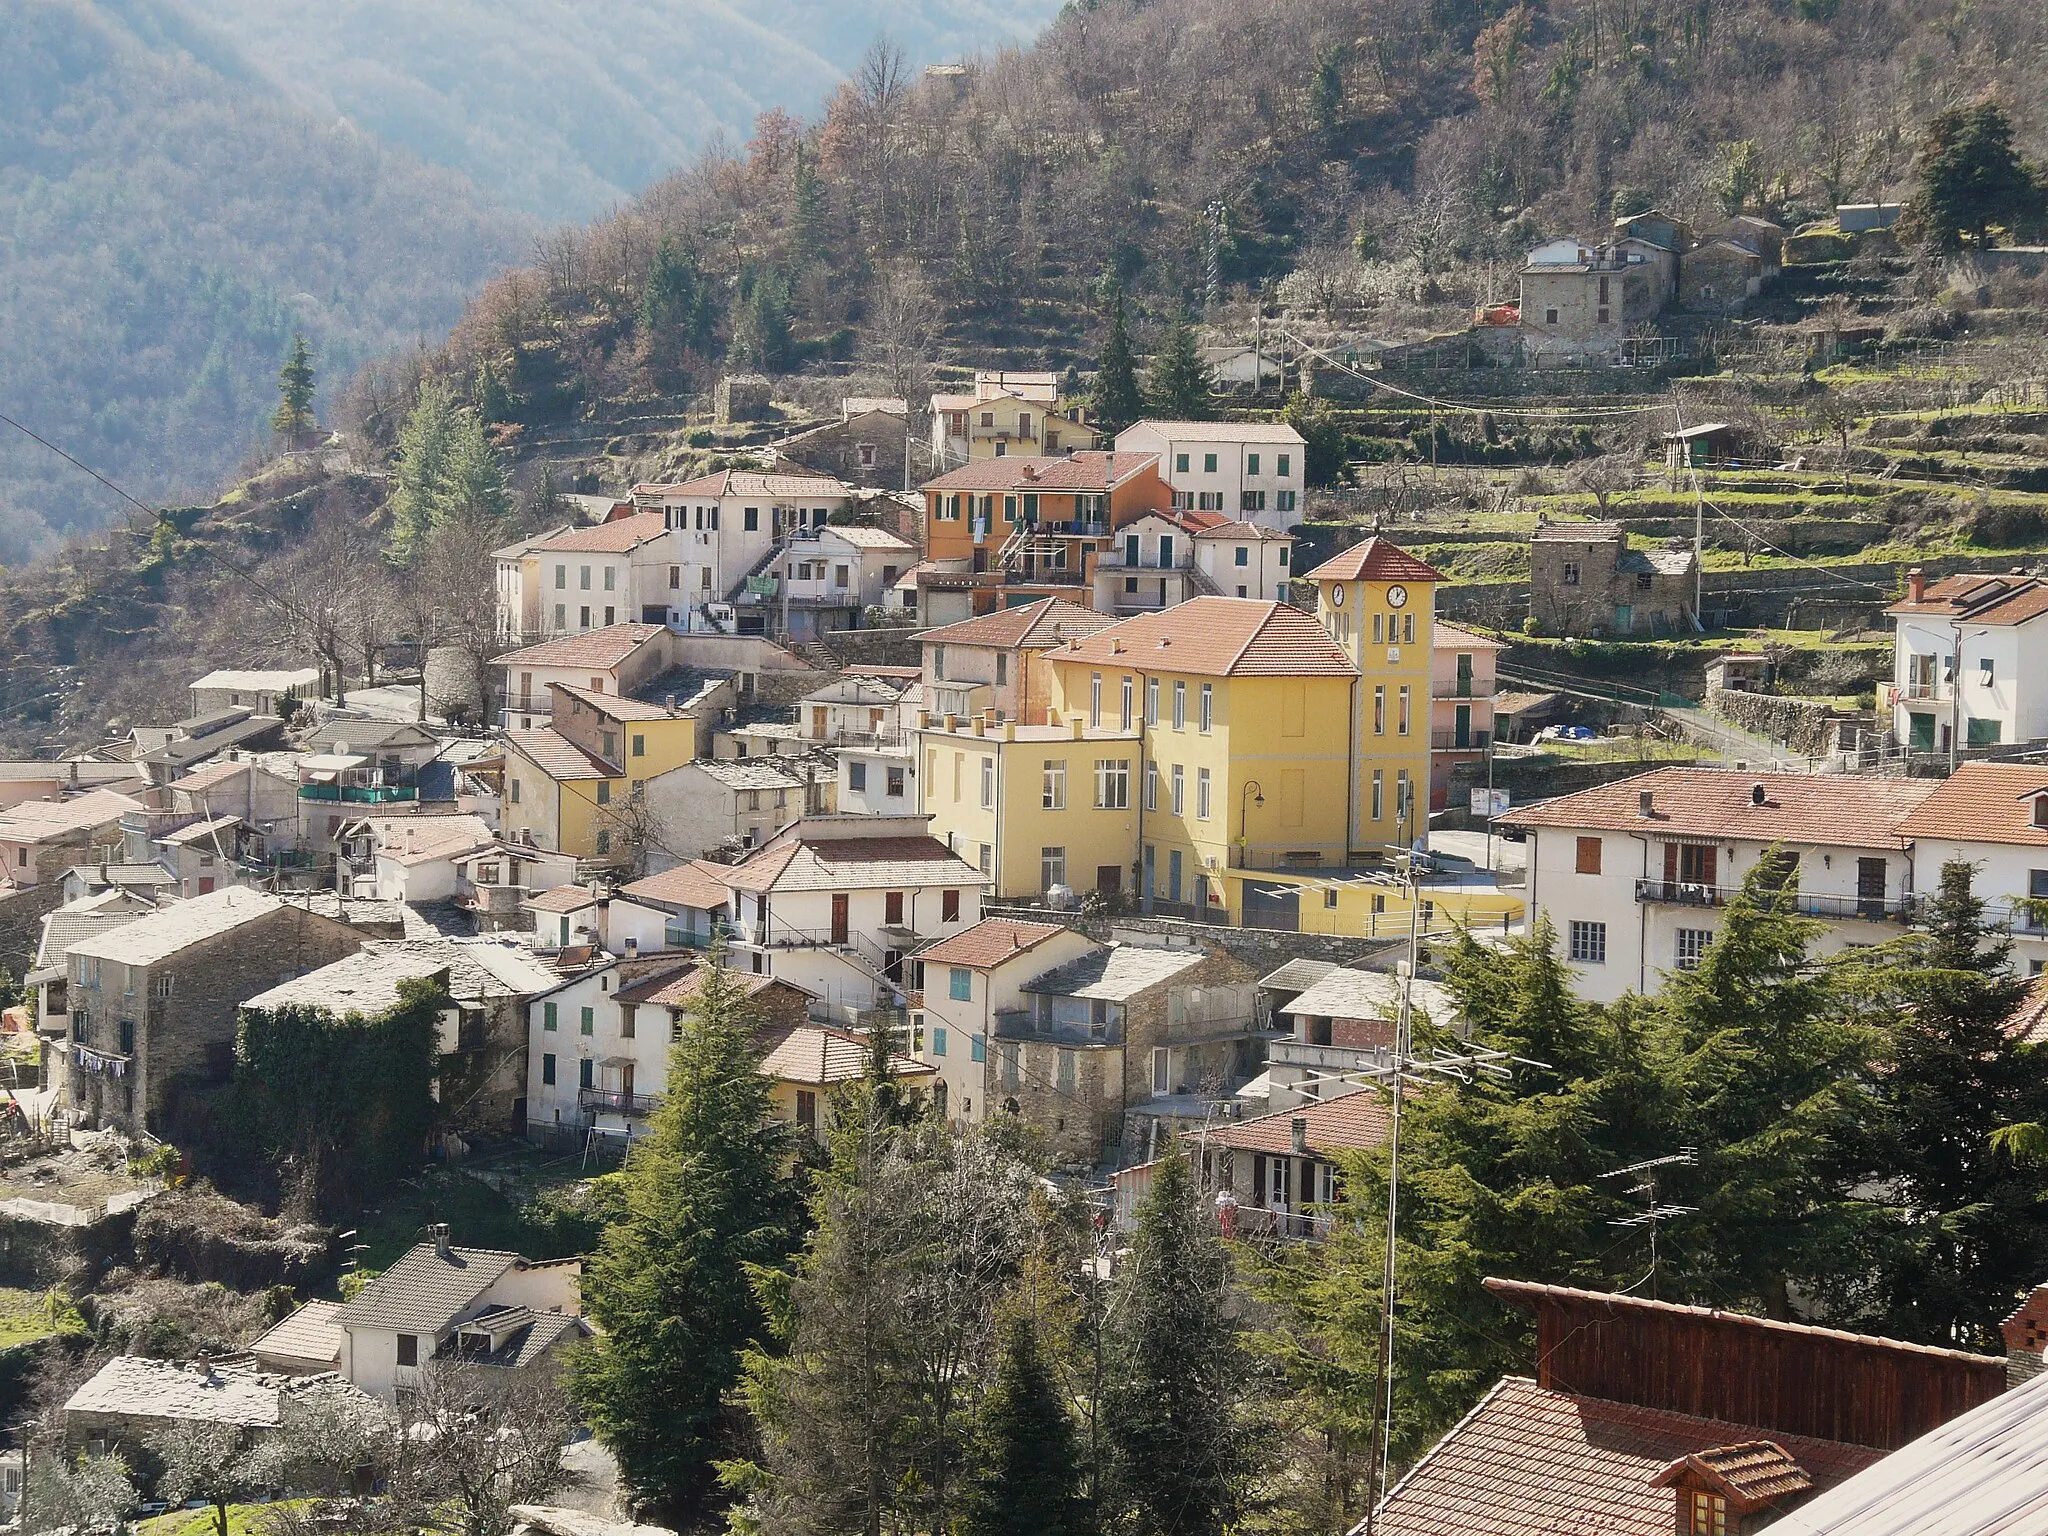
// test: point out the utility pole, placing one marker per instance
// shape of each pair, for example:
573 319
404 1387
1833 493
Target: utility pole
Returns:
1654 1210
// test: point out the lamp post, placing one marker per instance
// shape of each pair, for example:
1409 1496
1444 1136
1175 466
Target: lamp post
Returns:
1244 804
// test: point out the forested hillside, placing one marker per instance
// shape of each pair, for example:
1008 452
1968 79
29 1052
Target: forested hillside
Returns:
165 228
1197 150
563 109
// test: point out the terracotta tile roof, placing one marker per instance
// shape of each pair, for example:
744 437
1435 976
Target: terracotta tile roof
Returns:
1456 637
601 648
34 820
851 863
695 884
1753 1475
749 482
1974 593
616 707
563 898
1983 802
672 990
1718 803
2028 1023
1526 1462
1089 470
210 775
818 1055
410 840
619 537
1219 637
557 756
1049 621
1375 560
1348 1124
1248 531
1223 431
989 943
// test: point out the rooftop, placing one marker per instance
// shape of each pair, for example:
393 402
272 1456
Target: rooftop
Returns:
1455 637
747 772
1222 431
1047 622
273 681
130 1386
861 537
621 536
1090 471
1116 973
820 1055
601 648
695 884
1348 1123
313 1332
1218 637
563 898
750 482
674 988
424 1292
1343 993
989 943
35 821
614 707
411 840
160 935
557 756
1376 559
1983 802
798 863
1714 804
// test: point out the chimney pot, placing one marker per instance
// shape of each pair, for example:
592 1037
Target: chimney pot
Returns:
1298 1129
1646 804
1916 585
1758 795
441 1245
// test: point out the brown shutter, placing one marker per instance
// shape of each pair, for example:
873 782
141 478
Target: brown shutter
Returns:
1709 858
1670 863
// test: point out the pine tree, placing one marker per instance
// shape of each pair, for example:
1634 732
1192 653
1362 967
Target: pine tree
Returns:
293 418
1181 381
762 336
807 212
1972 178
544 506
1174 1394
1030 1458
425 445
474 487
707 1203
1117 400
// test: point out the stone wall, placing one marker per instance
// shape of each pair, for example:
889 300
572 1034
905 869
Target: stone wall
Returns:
1809 727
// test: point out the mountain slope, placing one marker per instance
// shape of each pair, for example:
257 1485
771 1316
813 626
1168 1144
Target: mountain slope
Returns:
562 108
166 224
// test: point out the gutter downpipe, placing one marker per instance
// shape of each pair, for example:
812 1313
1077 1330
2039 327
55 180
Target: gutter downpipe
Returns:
1643 922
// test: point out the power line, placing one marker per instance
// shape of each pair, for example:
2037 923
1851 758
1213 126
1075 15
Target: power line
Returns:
1597 412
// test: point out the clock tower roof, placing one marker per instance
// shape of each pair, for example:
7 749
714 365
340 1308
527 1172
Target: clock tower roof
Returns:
1375 560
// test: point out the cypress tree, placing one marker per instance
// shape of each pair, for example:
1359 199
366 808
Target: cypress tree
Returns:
1030 1456
293 418
1172 1405
707 1203
1181 381
1117 400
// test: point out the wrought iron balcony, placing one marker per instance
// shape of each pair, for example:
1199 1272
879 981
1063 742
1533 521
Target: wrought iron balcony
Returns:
1687 893
618 1102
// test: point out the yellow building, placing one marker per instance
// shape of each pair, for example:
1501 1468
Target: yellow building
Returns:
573 786
1378 603
1033 806
1004 415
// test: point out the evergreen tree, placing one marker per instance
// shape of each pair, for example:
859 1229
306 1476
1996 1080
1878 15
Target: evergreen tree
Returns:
1174 1395
425 446
1181 381
544 506
675 306
474 487
494 401
1117 400
293 418
1326 88
762 336
706 1205
1969 1236
807 212
1325 451
1972 178
1030 1458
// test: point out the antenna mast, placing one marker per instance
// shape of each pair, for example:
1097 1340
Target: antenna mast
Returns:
1654 1210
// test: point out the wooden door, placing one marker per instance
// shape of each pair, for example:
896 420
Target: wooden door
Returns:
839 917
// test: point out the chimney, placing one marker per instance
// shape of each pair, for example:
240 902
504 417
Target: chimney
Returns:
1758 795
2026 1336
1297 1128
1646 804
980 725
1080 727
439 1232
1916 585
1009 730
668 702
632 948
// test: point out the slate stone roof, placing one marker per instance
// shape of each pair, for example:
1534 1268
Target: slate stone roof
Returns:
1116 973
160 935
424 1292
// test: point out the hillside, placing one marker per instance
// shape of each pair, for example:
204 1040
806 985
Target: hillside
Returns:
166 224
563 109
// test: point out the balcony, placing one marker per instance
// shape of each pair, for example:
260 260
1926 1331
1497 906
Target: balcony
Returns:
1050 578
617 1102
1025 1024
1456 741
1686 893
359 794
1286 1051
1925 691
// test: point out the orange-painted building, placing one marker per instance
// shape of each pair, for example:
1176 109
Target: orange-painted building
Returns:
1025 528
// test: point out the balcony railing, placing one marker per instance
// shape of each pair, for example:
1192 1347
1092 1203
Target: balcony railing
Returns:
1285 1052
1925 691
1118 563
1457 741
1051 578
617 1102
1686 893
359 794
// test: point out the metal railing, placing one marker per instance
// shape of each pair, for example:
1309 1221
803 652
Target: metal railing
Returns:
618 1102
1926 691
1048 578
1687 893
1453 741
359 794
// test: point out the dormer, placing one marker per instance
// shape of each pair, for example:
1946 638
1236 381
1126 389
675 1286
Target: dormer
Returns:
1730 1490
2037 808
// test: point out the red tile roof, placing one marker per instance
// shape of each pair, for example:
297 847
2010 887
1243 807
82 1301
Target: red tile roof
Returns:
1983 802
1526 1462
1987 598
1091 470
1047 622
1719 803
2028 1023
1349 1124
989 943
818 1055
673 988
616 707
1219 637
1374 560
563 898
621 536
1251 531
695 884
557 756
601 648
1753 1475
749 482
851 863
1458 638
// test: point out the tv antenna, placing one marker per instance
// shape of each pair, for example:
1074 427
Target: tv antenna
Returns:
1654 1211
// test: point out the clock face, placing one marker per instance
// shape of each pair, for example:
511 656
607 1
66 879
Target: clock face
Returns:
1337 596
1397 596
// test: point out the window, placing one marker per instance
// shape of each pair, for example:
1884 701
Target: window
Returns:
1151 786
988 783
547 1015
1284 465
1201 794
627 1021
1330 898
1095 700
1208 463
1207 717
127 1037
1283 501
1052 868
1589 856
1128 704
583 617
988 860
586 1074
1002 668
604 841
892 908
1379 710
1550 317
939 663
949 906
1692 947
866 451
1379 633
1251 463
1241 556
1407 629
1589 943
895 786
586 1021
977 1048
1709 1514
611 577
1571 573
1404 709
1252 501
1112 784
753 520
408 1349
1053 791
604 792
1151 701
1180 706
1179 790
1066 1071
960 984
639 745
938 1039
1985 671
1180 463
1379 794
561 616
1007 1055
857 777
561 577
547 1070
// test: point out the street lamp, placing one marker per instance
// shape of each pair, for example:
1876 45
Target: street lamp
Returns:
1244 804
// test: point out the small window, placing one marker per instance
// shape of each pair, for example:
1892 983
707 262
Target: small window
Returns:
1286 465
1243 556
1208 463
1571 573
1589 943
639 745
1985 671
604 792
1709 1514
1550 317
1330 898
938 1039
1251 463
1207 717
627 1020
1589 856
1180 463
1691 947
960 984
949 906
547 1019
586 1022
409 1347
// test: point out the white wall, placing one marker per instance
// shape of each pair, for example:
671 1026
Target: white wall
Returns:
973 1021
875 799
1264 573
2002 872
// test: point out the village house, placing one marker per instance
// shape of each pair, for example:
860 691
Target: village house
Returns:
810 1064
1993 817
1969 662
80 918
568 917
132 1400
1609 1436
1461 687
856 711
1006 414
868 446
829 577
684 908
728 530
40 839
835 903
20 782
967 980
1250 471
998 660
1276 1174
262 790
1151 565
1242 559
305 1343
272 692
577 785
480 1306
617 660
877 780
1633 876
202 738
153 1002
1579 301
626 570
1584 579
408 858
715 803
1342 1023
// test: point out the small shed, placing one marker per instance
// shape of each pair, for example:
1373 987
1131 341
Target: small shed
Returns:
1740 672
1856 218
1711 442
742 397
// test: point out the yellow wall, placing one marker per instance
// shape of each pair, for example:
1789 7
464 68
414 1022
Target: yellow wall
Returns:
670 743
1368 909
1390 665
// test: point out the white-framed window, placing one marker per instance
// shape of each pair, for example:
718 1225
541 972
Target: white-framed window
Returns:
1129 702
1201 794
988 783
1151 692
1052 868
1151 786
1692 947
1180 706
1588 942
1053 790
1112 784
1179 790
1095 700
1207 717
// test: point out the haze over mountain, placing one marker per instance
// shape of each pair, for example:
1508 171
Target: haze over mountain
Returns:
562 107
